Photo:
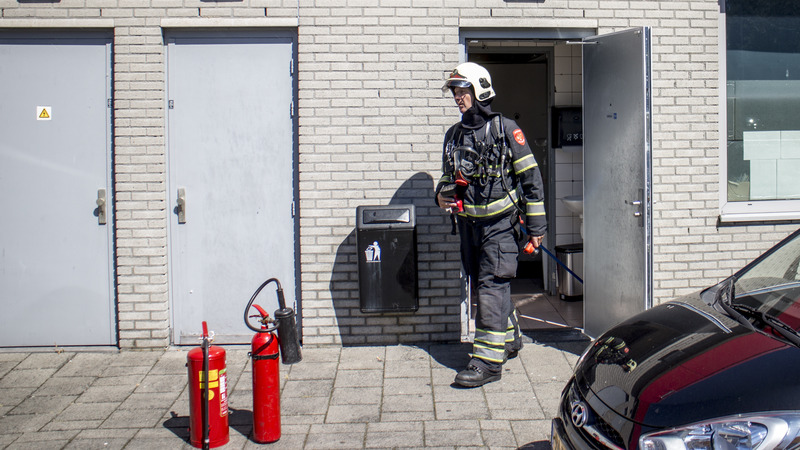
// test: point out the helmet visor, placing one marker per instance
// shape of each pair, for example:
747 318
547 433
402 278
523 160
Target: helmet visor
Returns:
454 83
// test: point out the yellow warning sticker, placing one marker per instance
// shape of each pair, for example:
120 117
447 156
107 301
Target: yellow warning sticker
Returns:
44 113
213 378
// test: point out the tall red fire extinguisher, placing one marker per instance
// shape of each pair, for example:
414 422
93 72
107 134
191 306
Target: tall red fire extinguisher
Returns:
264 353
208 394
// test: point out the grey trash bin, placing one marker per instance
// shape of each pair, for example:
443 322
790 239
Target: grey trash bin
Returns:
569 288
386 241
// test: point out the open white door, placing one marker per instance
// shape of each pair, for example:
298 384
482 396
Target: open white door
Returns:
617 178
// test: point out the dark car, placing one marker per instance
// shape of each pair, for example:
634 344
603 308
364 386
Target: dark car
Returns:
719 369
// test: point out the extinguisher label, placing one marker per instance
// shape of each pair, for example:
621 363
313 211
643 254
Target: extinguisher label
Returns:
213 381
213 378
223 392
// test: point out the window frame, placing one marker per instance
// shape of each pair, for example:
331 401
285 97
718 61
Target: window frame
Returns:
752 210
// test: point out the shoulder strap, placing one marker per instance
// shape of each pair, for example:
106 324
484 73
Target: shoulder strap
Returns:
498 128
455 136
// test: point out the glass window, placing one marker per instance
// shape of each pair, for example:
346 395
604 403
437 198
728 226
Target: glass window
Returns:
771 284
762 70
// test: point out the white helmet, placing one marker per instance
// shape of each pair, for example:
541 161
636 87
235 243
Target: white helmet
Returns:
471 74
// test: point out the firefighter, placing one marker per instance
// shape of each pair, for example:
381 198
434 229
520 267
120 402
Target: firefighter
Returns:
489 181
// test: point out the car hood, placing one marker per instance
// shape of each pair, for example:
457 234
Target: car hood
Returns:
683 362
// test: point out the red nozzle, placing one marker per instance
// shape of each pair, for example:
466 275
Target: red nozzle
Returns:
529 248
261 311
205 329
264 316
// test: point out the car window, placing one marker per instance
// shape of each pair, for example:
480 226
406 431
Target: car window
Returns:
772 285
778 268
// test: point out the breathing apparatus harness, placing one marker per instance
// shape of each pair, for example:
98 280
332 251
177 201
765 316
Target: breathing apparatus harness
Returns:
471 166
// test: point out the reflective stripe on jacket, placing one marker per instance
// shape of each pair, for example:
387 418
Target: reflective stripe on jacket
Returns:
486 199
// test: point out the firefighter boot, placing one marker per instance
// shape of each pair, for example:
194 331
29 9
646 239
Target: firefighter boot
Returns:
512 351
477 375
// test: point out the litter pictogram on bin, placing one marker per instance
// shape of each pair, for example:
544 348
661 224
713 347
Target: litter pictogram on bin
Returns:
373 253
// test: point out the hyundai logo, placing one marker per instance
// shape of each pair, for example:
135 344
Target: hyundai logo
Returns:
579 414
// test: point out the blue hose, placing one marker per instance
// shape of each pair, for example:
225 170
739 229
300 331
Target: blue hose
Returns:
525 232
561 263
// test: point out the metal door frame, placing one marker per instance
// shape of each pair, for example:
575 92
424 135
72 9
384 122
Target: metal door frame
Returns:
532 35
228 33
54 37
567 35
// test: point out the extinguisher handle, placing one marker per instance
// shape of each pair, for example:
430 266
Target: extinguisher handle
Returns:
261 310
205 330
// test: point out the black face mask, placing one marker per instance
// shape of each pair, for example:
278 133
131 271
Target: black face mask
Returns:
477 115
465 160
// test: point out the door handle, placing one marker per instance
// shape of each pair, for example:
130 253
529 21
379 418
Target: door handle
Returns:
638 205
638 212
101 207
181 208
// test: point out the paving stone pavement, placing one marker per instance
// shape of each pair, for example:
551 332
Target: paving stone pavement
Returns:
336 398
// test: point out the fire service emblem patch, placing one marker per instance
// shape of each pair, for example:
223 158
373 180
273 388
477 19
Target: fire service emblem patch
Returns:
519 137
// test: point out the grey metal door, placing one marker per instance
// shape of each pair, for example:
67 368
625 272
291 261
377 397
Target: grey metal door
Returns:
231 177
617 178
56 278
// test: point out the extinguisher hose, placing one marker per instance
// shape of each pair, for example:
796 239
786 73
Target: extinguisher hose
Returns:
564 266
558 261
285 325
281 303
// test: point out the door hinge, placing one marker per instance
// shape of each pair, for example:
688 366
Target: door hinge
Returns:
108 103
291 67
171 104
291 110
293 212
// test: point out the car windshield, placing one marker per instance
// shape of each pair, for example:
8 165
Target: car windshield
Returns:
769 290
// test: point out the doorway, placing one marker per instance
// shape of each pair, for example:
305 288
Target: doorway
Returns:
609 80
530 77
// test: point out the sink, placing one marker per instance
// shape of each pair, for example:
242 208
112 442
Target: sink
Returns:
574 203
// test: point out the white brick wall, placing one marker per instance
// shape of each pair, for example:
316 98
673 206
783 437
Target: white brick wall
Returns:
371 120
371 123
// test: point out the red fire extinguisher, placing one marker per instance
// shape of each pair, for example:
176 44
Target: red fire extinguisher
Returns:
208 395
266 384
264 353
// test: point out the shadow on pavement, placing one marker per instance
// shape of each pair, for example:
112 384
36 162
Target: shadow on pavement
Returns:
452 356
538 445
240 420
179 425
568 340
